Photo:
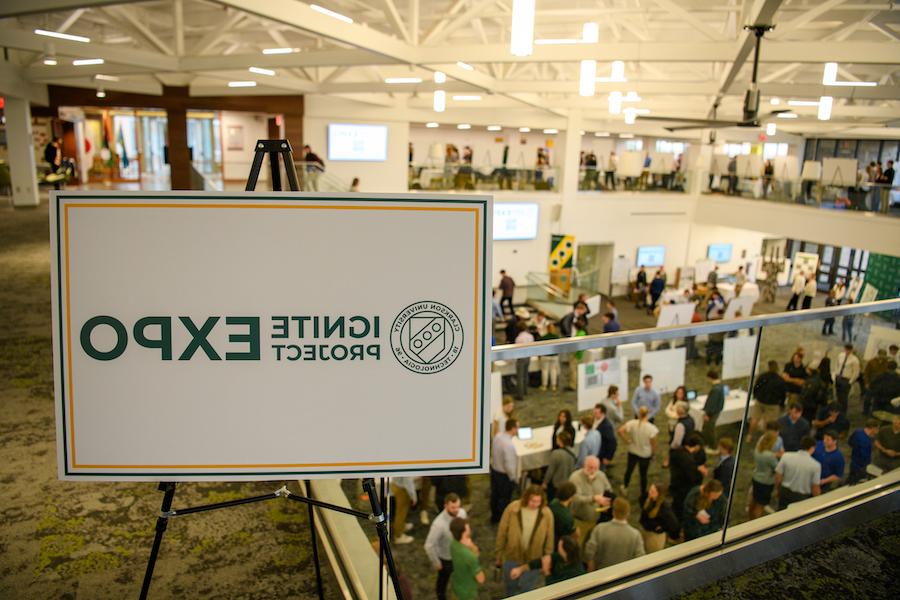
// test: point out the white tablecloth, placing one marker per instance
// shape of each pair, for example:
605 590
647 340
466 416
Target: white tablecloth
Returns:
750 290
673 295
535 453
733 411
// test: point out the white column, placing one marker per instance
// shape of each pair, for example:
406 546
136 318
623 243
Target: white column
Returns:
571 155
20 152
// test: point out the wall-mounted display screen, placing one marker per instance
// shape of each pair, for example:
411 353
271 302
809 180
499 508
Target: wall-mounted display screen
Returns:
651 256
514 221
721 253
348 141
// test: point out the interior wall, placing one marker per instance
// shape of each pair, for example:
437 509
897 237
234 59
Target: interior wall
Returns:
519 257
743 241
236 163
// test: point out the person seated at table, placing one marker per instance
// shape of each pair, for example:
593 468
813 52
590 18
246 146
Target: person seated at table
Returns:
704 510
831 417
564 424
561 464
592 495
590 445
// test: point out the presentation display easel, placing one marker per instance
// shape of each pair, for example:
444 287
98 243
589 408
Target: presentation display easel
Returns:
282 149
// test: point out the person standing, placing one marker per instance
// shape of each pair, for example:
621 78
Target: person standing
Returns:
712 279
715 403
524 336
560 465
657 287
640 437
809 292
467 573
53 154
437 544
847 326
613 403
797 285
549 362
590 172
568 327
609 177
615 541
646 396
861 450
793 427
765 460
640 288
404 492
507 288
739 280
608 442
724 470
610 325
685 473
590 445
657 518
875 366
839 290
504 466
798 474
828 322
314 167
704 510
795 375
525 533
564 424
592 495
845 371
732 176
887 442
561 507
885 181
831 459
769 391
684 425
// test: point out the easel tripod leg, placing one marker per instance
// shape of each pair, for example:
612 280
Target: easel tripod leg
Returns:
162 522
315 543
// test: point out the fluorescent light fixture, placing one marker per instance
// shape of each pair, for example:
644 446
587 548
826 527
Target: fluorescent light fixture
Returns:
587 81
787 115
261 71
432 125
601 134
83 62
101 93
802 103
551 131
440 101
494 128
239 84
521 39
466 98
403 80
524 129
615 103
825 103
100 77
63 36
50 61
626 136
464 126
556 41
440 77
775 101
331 13
465 66
590 33
280 50
829 77
630 116
631 96
771 128
582 132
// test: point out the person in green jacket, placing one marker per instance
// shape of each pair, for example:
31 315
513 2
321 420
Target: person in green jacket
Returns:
560 506
715 402
467 573
565 563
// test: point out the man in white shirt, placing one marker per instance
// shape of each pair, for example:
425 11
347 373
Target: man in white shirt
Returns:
809 292
437 544
845 371
797 286
839 290
504 467
798 474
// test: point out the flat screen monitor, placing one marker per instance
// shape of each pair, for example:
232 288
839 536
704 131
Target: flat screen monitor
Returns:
515 221
651 256
353 142
526 433
721 253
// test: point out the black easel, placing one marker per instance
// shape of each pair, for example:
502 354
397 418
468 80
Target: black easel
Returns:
282 148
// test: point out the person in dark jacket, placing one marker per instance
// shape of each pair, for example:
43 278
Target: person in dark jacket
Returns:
704 510
608 441
658 520
565 563
724 470
685 473
657 286
715 403
640 288
770 391
564 423
817 390
885 387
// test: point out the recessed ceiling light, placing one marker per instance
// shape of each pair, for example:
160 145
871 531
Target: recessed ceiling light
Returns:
771 128
524 129
467 98
494 128
100 77
431 125
50 61
551 131
331 13
63 36
440 100
601 134
775 101
521 37
239 84
261 71
626 136
464 126
101 93
440 77
825 103
280 50
403 80
787 115
82 62
465 66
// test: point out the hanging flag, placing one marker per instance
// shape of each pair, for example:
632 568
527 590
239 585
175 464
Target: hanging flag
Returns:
120 148
106 150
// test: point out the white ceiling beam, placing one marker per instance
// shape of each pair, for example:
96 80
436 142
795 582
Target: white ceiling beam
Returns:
390 11
808 16
681 13
218 33
442 22
70 20
178 18
13 83
414 22
462 20
18 8
127 14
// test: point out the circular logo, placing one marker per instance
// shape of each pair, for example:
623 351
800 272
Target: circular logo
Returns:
426 337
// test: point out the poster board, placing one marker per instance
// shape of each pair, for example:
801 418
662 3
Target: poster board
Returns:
593 304
675 314
869 293
737 356
666 367
702 268
807 262
812 170
749 166
631 164
742 304
620 269
661 163
787 168
594 379
720 164
839 171
880 338
197 350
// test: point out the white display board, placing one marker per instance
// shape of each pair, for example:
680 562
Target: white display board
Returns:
661 163
496 393
202 337
631 164
620 268
594 379
593 304
749 166
787 168
812 170
702 269
630 352
737 356
675 314
357 142
742 304
720 164
839 171
666 367
805 262
869 293
515 221
880 338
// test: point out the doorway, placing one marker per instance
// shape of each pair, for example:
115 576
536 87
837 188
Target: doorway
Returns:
594 264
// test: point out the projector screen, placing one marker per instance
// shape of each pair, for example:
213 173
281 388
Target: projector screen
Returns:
651 256
513 221
347 141
721 253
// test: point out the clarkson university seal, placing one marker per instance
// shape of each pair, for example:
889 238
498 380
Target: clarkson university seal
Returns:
426 337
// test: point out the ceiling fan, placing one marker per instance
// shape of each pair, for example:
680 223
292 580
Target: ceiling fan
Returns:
751 99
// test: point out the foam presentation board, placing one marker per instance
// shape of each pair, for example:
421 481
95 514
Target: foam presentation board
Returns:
254 336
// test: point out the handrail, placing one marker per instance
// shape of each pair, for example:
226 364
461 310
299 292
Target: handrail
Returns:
605 340
546 285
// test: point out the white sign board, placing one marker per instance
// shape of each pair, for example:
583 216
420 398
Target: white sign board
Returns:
880 338
702 268
675 314
631 164
256 336
749 166
839 171
594 379
806 263
661 163
666 367
869 293
593 304
720 164
741 304
620 268
787 168
737 356
812 170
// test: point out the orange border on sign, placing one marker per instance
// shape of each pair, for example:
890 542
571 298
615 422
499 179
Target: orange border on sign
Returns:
267 206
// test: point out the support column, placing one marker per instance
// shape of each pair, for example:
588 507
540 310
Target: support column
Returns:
22 172
571 154
179 157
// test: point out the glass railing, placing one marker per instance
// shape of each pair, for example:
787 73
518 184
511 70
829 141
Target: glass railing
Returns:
461 177
873 198
771 429
600 180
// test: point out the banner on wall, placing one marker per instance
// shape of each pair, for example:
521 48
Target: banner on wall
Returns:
562 252
195 340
